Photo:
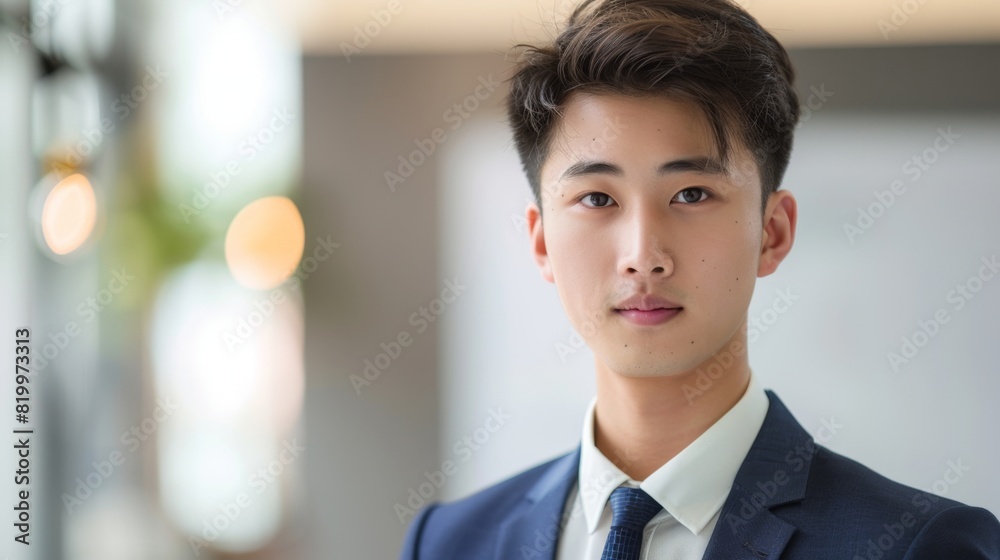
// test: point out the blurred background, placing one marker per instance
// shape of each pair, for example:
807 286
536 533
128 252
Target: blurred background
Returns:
273 267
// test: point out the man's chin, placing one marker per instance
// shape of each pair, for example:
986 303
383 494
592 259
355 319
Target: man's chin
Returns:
648 367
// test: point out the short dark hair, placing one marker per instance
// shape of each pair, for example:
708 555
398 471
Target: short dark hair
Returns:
711 53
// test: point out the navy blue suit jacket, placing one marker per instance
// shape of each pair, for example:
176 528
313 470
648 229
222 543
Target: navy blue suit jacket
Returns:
791 498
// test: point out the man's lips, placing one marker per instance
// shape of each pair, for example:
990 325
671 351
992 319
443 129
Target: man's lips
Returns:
649 317
647 309
646 302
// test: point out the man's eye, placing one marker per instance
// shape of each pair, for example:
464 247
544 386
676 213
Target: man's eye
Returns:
692 195
599 200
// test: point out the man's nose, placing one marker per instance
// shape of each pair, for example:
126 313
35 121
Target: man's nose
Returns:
645 252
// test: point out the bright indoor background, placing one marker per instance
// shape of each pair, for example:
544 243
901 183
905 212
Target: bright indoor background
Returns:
198 230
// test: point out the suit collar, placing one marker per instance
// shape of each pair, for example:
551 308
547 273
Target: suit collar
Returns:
694 484
533 530
774 472
554 479
782 445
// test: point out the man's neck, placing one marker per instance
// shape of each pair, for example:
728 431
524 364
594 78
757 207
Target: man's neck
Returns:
640 423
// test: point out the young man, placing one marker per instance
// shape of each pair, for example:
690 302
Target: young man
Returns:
655 134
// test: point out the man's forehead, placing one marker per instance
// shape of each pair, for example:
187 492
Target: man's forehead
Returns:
602 128
597 136
610 108
594 122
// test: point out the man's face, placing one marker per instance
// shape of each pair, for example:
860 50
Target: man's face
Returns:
619 223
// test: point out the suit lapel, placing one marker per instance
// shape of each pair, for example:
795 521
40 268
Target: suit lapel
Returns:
533 531
758 535
774 472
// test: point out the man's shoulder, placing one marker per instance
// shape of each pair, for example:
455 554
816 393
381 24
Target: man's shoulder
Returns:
469 524
876 514
834 488
838 479
498 499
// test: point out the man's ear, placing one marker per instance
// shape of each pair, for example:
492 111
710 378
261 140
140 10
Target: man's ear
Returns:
536 234
779 231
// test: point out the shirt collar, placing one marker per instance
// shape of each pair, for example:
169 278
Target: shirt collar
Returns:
693 485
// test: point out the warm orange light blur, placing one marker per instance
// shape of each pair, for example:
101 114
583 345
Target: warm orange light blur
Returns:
69 214
265 242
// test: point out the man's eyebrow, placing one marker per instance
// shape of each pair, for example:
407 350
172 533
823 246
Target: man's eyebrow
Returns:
699 164
591 168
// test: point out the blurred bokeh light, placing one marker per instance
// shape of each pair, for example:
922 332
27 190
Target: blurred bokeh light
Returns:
69 214
265 242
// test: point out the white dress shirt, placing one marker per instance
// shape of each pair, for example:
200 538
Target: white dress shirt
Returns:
691 487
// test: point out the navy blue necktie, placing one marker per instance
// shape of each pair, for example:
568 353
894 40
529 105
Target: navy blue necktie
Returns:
633 508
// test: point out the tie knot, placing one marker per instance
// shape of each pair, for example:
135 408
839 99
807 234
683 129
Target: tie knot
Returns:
633 508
